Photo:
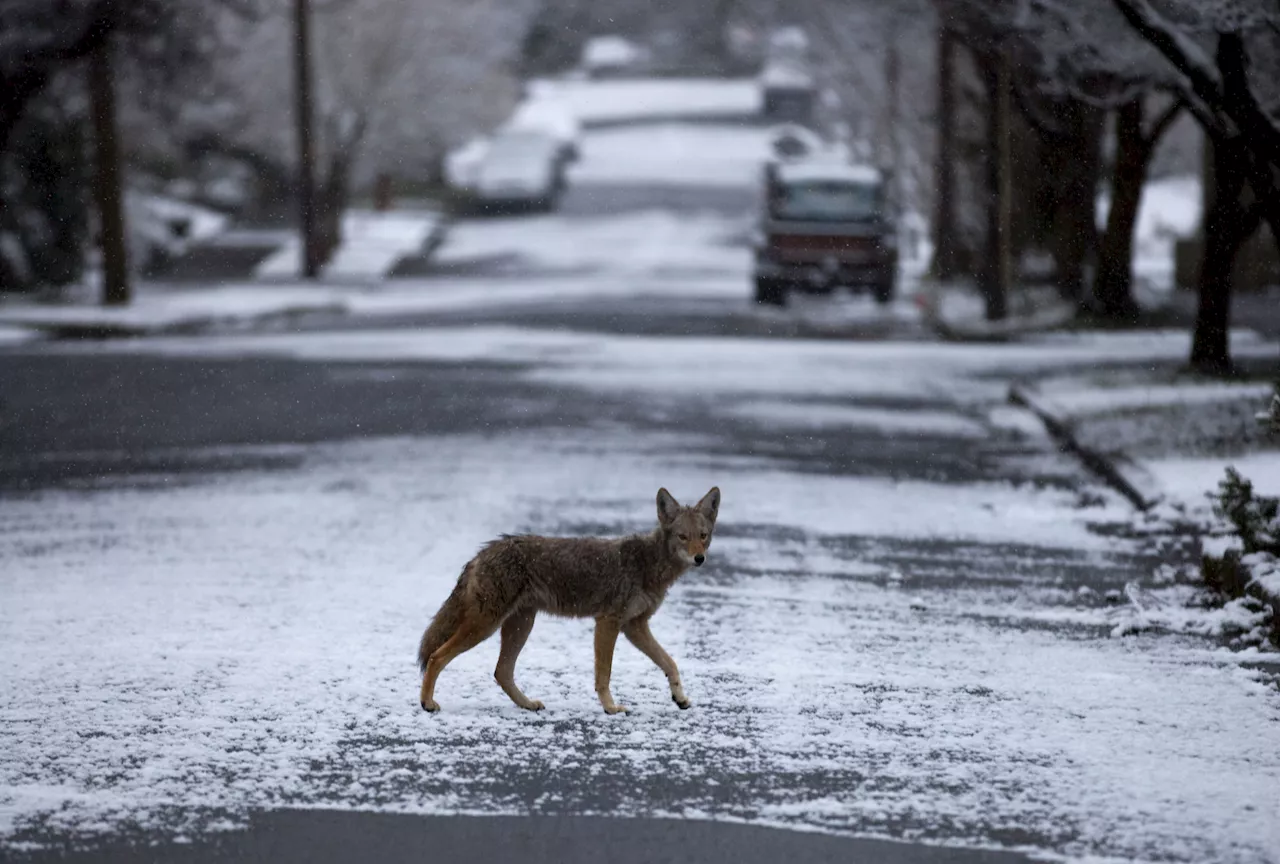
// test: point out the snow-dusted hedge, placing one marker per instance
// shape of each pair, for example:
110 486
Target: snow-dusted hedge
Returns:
1241 560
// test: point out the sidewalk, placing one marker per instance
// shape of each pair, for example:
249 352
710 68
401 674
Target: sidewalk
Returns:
1164 438
160 311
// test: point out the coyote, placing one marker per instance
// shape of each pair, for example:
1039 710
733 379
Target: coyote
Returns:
620 582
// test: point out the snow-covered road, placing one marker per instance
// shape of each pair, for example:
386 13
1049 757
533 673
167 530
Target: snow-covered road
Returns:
217 555
902 632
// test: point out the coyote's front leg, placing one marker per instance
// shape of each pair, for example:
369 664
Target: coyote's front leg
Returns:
639 634
606 639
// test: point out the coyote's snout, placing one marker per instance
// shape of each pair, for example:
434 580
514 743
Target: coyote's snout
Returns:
620 582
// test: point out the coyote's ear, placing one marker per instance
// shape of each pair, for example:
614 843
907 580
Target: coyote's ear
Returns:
668 507
709 506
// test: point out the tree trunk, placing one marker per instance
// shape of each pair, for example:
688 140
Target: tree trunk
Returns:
1074 223
106 187
996 270
946 243
330 205
1227 225
1114 285
311 258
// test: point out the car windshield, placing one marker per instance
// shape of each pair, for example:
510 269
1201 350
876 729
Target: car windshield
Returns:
827 201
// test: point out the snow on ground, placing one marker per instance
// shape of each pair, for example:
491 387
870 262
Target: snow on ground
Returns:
248 641
15 335
648 242
1080 401
700 367
1189 480
165 309
1175 442
372 243
702 155
623 100
785 414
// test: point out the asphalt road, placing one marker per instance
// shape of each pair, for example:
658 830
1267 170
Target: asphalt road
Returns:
324 836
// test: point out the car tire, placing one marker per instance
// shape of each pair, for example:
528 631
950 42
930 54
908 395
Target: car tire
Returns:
883 292
770 292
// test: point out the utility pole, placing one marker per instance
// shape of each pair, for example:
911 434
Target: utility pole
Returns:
946 248
306 157
997 268
1005 245
106 188
892 63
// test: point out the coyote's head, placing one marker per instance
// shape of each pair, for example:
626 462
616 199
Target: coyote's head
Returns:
688 529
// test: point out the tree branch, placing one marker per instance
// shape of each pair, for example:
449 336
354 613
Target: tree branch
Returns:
1267 202
36 67
1184 54
1162 122
1223 89
1240 104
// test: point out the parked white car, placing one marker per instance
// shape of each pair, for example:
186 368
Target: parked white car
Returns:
161 229
549 116
603 56
520 169
462 163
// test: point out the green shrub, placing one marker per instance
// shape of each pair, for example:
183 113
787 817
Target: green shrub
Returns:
1252 517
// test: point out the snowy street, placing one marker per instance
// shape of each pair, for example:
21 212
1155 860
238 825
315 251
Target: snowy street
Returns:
217 554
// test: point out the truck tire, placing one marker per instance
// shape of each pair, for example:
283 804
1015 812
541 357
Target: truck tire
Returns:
883 292
770 292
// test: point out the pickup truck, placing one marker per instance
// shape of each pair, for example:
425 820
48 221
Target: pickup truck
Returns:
824 225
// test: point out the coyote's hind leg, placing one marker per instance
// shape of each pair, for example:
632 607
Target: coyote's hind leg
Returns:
515 632
468 635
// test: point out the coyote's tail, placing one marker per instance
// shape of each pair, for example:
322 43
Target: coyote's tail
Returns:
445 622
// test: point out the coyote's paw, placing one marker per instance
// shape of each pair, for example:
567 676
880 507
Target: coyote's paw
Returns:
431 706
615 709
534 705
681 703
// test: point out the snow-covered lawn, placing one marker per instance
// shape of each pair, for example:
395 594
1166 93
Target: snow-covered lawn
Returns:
1190 479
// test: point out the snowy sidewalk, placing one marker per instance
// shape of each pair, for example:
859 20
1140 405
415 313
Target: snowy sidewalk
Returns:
1166 439
160 312
1172 433
372 245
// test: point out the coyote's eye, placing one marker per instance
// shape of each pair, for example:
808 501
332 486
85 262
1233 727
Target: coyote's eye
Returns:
704 535
684 536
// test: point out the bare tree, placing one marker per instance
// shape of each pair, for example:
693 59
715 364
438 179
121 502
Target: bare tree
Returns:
395 82
40 41
1226 55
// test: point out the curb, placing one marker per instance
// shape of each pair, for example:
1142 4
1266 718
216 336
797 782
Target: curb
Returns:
1119 472
179 326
